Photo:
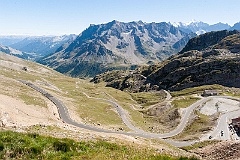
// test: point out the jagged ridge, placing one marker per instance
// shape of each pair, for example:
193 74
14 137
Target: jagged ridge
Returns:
115 44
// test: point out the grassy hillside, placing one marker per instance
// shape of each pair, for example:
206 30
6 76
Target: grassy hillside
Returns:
33 146
69 90
74 92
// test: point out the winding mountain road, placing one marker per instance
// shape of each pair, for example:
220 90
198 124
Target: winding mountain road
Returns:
63 113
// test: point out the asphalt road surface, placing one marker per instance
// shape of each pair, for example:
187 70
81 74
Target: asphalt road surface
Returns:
222 131
63 113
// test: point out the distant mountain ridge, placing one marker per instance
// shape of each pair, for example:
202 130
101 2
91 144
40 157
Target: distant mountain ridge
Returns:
199 27
117 44
17 53
42 45
114 45
236 26
9 40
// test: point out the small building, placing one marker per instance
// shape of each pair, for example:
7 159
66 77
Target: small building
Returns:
210 93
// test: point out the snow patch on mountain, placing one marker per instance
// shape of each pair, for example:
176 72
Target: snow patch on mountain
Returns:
200 32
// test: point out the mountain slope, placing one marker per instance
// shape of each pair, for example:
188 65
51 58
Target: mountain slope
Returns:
216 61
206 40
117 45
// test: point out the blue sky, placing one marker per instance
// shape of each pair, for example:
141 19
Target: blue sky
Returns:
57 17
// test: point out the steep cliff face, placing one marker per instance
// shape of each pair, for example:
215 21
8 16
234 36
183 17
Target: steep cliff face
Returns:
217 61
117 45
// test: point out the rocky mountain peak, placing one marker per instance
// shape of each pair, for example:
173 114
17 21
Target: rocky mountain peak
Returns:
117 43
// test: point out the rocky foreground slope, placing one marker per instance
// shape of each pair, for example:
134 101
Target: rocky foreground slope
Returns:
117 45
219 151
212 58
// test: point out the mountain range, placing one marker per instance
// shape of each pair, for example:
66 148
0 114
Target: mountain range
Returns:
39 45
117 45
211 58
199 27
110 46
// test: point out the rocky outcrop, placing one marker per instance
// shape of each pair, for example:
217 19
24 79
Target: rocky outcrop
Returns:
206 40
220 151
